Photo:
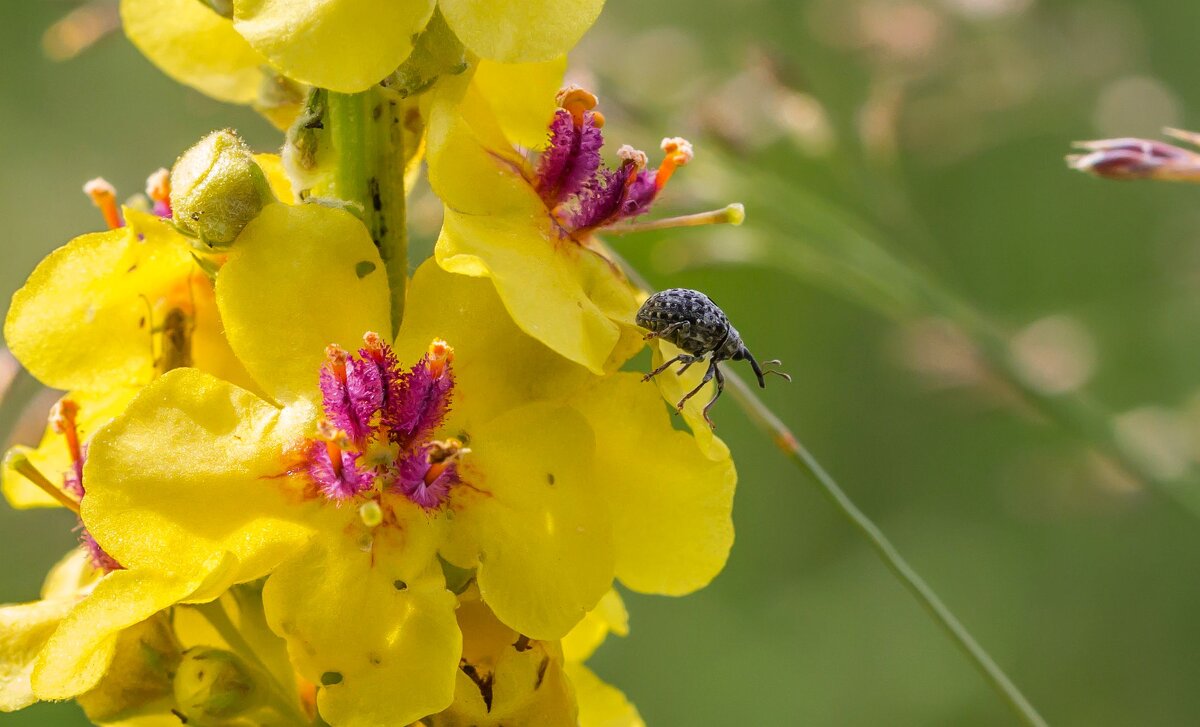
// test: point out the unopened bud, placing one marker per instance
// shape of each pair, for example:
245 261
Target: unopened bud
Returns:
212 685
217 189
1130 158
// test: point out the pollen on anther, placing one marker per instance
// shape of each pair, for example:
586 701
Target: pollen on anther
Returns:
678 149
104 196
628 154
158 189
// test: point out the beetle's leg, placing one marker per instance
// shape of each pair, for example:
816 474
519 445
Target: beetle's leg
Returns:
686 326
688 364
712 367
720 390
685 358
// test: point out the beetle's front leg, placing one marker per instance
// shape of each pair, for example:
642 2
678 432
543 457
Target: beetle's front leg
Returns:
686 359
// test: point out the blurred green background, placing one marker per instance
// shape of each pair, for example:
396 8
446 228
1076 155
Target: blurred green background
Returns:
933 130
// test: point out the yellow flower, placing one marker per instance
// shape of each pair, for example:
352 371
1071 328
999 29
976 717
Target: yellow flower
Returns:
65 644
531 229
342 45
545 479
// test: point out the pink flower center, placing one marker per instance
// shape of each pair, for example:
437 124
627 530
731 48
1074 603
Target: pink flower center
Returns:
379 425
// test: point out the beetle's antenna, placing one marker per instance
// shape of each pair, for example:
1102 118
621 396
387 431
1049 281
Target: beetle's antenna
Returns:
760 372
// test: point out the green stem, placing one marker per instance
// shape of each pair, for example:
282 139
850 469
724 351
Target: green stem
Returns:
367 134
773 426
770 424
281 699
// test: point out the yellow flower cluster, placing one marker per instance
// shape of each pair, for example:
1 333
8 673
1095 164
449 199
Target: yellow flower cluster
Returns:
290 516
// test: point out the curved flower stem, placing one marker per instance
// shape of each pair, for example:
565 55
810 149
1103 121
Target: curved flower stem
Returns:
773 426
770 424
368 139
281 700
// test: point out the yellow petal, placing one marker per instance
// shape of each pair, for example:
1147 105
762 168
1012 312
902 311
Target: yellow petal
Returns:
488 347
342 45
79 653
281 185
375 628
601 704
553 287
466 145
673 389
139 677
545 543
520 31
671 505
522 95
524 677
298 279
195 46
192 468
24 630
51 456
608 617
82 319
70 576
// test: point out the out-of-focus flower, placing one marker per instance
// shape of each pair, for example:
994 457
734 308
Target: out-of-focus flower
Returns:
1139 158
341 45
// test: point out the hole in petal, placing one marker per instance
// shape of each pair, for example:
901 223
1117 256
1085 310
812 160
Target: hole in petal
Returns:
364 268
329 678
400 585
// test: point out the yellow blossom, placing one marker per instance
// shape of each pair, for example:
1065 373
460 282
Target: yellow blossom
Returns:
553 495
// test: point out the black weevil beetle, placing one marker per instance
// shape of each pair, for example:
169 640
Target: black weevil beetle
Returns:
690 320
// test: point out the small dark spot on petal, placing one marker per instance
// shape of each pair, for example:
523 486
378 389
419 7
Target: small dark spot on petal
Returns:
550 477
399 585
364 268
541 675
329 678
375 659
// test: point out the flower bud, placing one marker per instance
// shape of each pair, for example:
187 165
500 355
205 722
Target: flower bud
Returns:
212 685
217 188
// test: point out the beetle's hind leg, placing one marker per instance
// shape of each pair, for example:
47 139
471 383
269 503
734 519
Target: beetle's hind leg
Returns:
720 390
708 375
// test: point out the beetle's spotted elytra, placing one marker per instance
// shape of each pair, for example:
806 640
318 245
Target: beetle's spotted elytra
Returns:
690 320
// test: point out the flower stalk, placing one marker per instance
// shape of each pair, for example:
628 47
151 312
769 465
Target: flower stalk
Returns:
786 441
366 132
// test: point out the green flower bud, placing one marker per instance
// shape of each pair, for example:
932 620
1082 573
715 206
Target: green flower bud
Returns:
212 685
217 188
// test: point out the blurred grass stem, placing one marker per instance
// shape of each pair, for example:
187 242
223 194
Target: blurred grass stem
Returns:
770 424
